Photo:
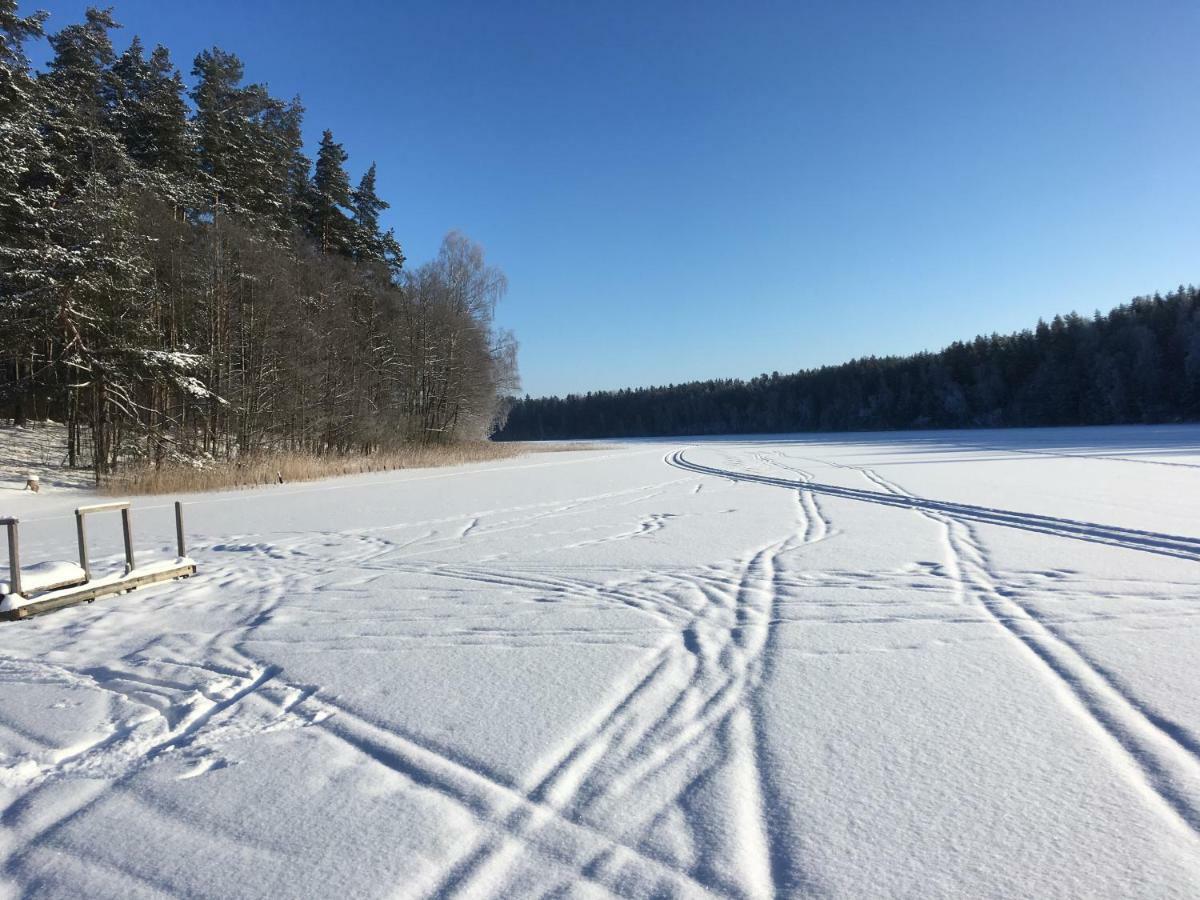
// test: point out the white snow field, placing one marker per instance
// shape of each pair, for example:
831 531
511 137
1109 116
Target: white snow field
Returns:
951 664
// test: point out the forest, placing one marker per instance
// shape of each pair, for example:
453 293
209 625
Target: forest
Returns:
1140 363
179 281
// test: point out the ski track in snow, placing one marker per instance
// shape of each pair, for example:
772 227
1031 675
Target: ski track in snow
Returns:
625 804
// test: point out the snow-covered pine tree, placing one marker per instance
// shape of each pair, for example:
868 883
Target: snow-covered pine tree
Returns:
92 285
331 227
95 290
24 204
149 111
289 143
77 92
152 263
368 243
247 142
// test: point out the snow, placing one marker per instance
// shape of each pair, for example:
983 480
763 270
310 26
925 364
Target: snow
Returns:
38 449
933 664
40 577
173 359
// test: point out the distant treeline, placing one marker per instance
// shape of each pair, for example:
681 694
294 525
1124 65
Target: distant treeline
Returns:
177 278
1139 363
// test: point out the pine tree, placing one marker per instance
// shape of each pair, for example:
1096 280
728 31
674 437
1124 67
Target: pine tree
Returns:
149 111
15 78
78 93
369 244
25 151
367 205
283 189
24 207
247 142
91 289
299 191
331 227
218 125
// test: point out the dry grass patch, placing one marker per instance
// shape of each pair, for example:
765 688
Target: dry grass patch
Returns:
269 468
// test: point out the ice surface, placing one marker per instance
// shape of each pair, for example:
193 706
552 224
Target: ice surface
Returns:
926 665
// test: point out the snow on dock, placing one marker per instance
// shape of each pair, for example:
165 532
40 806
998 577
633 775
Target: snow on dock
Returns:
42 576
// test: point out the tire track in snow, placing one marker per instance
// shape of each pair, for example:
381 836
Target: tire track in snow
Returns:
709 666
813 526
1174 545
500 809
164 718
1165 769
666 613
528 583
585 775
702 687
435 544
528 820
1161 757
476 790
562 585
188 728
424 764
744 658
109 764
816 525
1062 454
725 641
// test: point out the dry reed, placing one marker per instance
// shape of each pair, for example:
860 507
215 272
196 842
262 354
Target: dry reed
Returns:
270 468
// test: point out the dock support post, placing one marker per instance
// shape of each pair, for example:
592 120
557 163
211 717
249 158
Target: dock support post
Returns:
14 557
179 543
127 531
83 553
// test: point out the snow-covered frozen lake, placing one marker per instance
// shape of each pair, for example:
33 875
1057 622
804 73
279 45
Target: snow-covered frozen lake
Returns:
935 664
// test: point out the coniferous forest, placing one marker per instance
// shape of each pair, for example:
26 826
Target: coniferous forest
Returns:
179 280
1140 363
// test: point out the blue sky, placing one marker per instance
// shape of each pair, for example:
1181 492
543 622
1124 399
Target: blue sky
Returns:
694 190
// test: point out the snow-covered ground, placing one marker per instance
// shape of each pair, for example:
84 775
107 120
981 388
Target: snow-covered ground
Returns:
907 665
38 448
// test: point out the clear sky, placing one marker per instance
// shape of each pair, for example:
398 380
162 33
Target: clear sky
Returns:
694 190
